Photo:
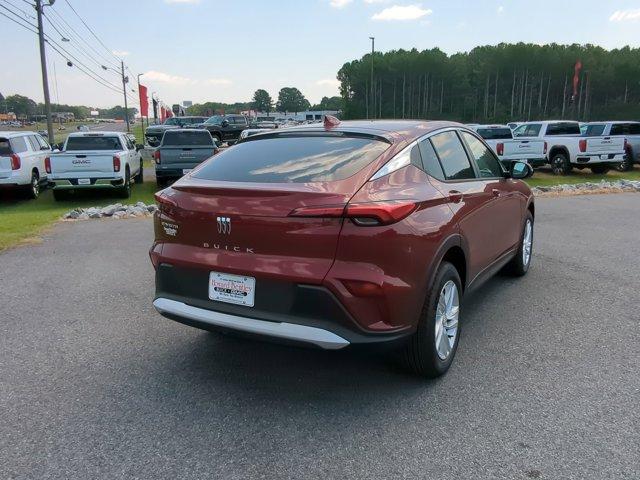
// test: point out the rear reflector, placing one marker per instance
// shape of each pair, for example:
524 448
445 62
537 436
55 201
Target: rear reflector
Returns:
363 214
47 164
582 145
116 163
500 148
359 288
156 156
15 162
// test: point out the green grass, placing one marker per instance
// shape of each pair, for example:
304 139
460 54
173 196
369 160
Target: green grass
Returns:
23 220
544 177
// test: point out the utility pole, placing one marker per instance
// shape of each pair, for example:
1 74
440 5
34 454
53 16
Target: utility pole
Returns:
373 49
43 66
124 91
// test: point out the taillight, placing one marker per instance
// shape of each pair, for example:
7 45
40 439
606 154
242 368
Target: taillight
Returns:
545 148
500 148
363 214
165 204
156 156
582 144
116 163
15 162
47 164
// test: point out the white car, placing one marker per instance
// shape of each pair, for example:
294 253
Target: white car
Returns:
629 130
95 160
567 148
508 149
22 161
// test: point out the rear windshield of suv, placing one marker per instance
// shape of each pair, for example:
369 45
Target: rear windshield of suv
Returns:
495 133
93 143
293 159
5 147
187 138
563 128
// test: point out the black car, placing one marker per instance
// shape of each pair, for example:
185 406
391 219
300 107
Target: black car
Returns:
153 134
225 128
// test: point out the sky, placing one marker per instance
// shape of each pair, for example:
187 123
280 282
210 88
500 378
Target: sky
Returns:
223 50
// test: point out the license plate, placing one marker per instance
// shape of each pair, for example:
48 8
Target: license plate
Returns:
604 157
186 170
84 181
236 289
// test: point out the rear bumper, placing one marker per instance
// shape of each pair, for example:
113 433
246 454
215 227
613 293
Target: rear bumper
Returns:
283 311
173 172
72 183
598 159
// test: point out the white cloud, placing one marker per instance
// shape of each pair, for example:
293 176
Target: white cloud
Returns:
375 1
398 12
120 53
192 2
328 82
339 3
218 81
500 10
162 77
625 15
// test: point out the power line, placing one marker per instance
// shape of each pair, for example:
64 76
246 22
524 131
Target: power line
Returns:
20 20
89 28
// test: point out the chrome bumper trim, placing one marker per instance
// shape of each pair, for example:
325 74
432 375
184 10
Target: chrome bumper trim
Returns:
290 331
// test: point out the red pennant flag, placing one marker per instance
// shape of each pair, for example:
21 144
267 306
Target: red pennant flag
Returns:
144 101
576 78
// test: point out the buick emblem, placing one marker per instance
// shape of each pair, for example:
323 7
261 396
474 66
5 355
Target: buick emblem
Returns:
224 225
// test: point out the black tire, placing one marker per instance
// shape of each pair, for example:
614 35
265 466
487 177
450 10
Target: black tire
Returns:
59 195
518 266
217 137
560 164
139 178
599 169
420 354
627 163
125 190
33 189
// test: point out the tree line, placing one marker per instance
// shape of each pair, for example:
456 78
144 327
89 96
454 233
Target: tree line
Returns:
495 84
24 107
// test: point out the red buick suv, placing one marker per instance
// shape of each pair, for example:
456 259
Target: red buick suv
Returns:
355 232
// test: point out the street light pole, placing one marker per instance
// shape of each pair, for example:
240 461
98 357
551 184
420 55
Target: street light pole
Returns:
43 66
124 91
372 102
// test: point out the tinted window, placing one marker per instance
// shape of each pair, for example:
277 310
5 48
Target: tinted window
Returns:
93 143
172 121
42 142
430 160
215 120
293 159
453 157
625 129
592 130
187 138
495 133
239 120
19 144
563 128
34 143
488 165
5 147
531 130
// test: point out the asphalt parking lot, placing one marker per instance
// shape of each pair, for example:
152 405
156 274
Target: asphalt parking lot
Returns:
546 383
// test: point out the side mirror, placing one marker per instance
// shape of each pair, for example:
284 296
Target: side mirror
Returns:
521 170
225 123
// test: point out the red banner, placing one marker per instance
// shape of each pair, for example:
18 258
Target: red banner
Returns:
576 77
163 114
144 101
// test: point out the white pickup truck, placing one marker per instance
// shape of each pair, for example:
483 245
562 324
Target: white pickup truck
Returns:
567 148
501 141
628 130
95 160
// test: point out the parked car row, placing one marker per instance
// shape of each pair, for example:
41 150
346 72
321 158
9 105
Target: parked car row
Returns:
564 145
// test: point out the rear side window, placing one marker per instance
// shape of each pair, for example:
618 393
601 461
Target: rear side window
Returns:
453 157
34 143
495 133
531 130
488 165
42 142
5 147
19 144
625 129
93 143
293 159
187 138
593 130
563 128
430 160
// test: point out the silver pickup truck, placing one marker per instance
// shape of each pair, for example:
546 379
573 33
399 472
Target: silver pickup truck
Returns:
180 151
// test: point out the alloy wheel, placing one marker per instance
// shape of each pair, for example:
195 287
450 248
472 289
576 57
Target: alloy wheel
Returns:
447 314
527 242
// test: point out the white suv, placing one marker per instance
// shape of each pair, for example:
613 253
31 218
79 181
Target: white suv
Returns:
22 161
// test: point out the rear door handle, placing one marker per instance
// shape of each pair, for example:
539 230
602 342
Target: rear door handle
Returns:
455 196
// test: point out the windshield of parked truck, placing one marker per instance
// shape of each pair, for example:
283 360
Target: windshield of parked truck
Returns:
495 133
93 143
215 120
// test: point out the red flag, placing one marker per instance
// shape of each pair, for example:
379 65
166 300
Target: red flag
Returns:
144 101
576 78
163 114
